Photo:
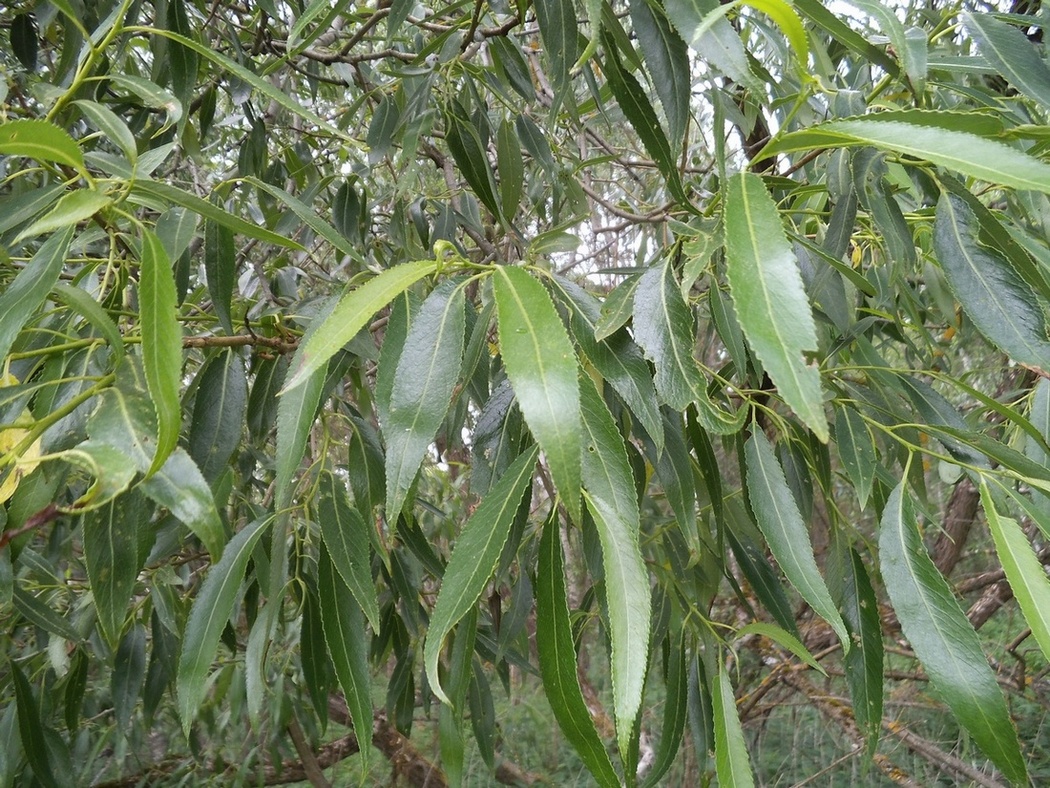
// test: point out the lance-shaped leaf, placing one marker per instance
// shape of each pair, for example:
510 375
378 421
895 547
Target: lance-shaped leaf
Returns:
471 157
984 159
218 414
161 344
220 267
208 616
32 731
22 297
42 141
943 638
675 713
1023 569
852 590
345 534
554 643
111 552
426 377
611 500
541 365
617 359
998 301
857 450
70 209
771 303
663 326
1012 54
731 760
704 27
474 560
559 30
667 57
780 522
642 117
180 487
352 314
344 631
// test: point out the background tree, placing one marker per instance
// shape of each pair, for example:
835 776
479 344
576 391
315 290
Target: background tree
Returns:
369 368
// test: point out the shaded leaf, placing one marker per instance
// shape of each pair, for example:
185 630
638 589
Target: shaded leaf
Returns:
778 517
1012 55
473 561
218 414
111 553
731 760
345 535
667 57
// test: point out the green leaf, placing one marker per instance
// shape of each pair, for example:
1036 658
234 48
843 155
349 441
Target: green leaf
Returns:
23 296
642 117
161 344
40 140
782 638
675 713
667 57
704 26
31 729
424 385
218 413
943 638
731 760
474 560
111 553
111 125
557 658
819 14
983 159
129 673
617 308
220 268
25 41
559 31
541 365
617 358
166 193
71 209
208 617
511 169
351 314
31 608
1012 55
788 537
857 450
1023 570
610 496
852 591
345 534
998 301
344 631
87 307
470 155
111 471
771 303
787 19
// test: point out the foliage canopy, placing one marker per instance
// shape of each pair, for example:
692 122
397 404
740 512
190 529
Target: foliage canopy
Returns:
366 364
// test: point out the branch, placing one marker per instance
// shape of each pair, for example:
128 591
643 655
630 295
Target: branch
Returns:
284 346
46 515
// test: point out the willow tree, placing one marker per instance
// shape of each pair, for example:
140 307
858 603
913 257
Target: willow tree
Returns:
366 367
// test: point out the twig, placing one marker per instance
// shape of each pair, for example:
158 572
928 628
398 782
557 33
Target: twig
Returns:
43 517
306 755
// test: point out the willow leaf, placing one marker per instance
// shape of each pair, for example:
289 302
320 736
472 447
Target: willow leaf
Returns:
771 303
541 365
345 534
943 638
788 537
731 760
424 383
474 559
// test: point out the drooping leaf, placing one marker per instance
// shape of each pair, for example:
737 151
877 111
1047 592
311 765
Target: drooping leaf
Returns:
22 297
129 673
675 713
610 496
557 658
1023 569
423 387
559 30
771 303
347 641
161 345
667 57
704 27
984 159
218 414
345 535
857 450
111 125
541 365
351 314
465 144
473 561
732 763
998 301
31 729
787 534
208 617
111 553
943 638
220 267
